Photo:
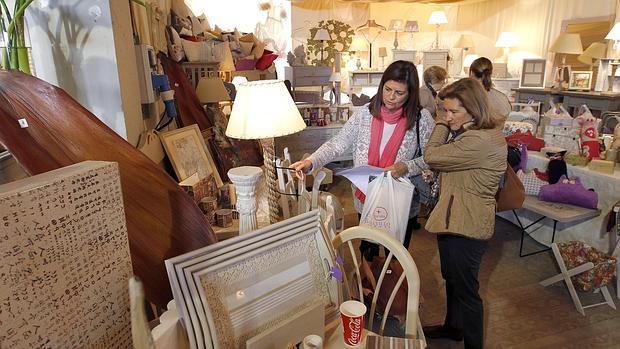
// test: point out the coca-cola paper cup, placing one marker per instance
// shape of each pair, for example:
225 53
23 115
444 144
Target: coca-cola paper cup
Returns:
352 315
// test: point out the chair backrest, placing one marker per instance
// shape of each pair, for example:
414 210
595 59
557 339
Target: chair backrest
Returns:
397 251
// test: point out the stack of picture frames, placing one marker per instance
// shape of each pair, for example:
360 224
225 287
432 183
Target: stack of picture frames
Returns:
264 289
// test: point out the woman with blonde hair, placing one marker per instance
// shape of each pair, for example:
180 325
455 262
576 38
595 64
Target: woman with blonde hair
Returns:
469 151
435 78
482 69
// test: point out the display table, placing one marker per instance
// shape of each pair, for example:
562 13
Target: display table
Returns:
591 231
598 102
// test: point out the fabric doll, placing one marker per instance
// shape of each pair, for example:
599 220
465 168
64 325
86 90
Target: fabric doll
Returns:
589 134
556 167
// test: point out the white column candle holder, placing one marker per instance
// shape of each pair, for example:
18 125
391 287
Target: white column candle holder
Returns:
245 178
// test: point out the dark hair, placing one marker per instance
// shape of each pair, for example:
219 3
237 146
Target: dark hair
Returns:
474 99
403 72
482 69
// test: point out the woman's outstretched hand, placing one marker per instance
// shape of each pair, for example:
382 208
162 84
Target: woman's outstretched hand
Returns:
399 169
301 167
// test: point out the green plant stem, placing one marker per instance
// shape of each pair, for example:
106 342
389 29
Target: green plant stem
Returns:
18 13
6 11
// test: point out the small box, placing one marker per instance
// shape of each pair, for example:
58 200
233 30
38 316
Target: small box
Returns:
576 160
603 166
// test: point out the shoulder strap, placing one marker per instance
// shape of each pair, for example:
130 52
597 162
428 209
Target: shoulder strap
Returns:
418 152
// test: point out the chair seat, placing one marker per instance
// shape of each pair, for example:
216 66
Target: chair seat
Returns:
576 253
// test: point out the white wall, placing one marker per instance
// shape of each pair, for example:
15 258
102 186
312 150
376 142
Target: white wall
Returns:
85 47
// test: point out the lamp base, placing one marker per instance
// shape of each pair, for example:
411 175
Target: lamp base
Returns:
269 160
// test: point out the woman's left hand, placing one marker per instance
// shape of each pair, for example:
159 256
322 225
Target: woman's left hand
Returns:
399 169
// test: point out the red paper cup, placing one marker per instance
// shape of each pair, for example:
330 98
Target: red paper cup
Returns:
352 315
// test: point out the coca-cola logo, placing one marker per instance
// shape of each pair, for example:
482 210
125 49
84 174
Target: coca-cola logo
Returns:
355 325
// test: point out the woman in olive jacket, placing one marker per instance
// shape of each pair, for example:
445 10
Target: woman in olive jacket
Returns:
471 164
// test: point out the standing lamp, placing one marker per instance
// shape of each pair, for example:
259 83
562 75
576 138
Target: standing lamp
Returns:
437 18
358 44
565 44
505 41
382 55
614 34
322 35
335 80
412 27
465 42
395 26
263 110
368 30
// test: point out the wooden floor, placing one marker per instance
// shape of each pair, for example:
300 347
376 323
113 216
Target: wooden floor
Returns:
519 313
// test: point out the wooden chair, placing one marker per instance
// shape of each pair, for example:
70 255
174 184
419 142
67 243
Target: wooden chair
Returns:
566 274
413 328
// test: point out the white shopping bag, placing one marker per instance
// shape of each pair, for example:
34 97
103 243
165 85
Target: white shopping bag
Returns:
387 204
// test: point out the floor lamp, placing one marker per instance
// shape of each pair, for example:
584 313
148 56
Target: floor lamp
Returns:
371 31
263 110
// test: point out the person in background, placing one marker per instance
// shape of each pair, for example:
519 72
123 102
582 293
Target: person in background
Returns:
435 78
384 135
470 164
481 69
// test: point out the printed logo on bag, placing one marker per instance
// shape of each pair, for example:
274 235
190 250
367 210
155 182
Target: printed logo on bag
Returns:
379 214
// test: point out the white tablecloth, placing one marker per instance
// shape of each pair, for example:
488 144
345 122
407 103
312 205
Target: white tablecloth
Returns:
592 231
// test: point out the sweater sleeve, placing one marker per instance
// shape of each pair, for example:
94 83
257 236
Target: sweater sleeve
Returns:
418 164
338 145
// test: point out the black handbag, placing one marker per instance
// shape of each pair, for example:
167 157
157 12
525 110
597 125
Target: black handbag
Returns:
426 191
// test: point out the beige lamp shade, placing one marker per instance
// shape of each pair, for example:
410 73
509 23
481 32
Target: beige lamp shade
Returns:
585 59
438 17
322 34
614 33
507 39
596 50
465 41
263 109
412 27
396 25
212 90
382 52
358 44
568 43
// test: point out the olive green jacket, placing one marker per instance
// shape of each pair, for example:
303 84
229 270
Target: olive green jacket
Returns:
470 170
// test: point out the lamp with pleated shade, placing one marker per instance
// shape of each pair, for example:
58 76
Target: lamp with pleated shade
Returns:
412 27
396 25
565 44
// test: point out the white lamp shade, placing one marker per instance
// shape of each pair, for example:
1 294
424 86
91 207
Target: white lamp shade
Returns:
238 80
322 34
396 25
438 17
412 27
507 39
614 33
568 43
465 41
358 44
263 109
212 90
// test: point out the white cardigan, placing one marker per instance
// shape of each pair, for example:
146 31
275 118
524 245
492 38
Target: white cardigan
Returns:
355 135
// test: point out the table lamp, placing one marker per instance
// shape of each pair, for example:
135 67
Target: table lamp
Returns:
505 41
468 60
614 34
596 50
382 55
358 44
465 42
395 26
411 27
322 35
211 91
370 31
565 44
437 18
263 110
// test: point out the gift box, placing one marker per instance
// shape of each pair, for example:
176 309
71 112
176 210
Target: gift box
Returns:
604 166
576 160
199 189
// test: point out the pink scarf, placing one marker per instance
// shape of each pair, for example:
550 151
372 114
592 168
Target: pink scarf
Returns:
391 148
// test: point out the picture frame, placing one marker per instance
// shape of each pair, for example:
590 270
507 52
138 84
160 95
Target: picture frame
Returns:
533 73
188 153
344 113
580 80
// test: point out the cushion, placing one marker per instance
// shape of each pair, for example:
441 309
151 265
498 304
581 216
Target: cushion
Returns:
246 47
258 49
175 44
180 23
576 253
531 182
266 60
511 127
247 38
206 51
245 64
226 63
569 191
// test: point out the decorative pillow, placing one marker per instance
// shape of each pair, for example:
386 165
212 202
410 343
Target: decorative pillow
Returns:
175 44
245 64
258 49
180 23
204 22
511 127
569 191
526 138
246 47
248 38
198 27
531 183
226 63
266 60
206 51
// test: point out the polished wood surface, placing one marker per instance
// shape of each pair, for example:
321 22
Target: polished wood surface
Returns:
162 221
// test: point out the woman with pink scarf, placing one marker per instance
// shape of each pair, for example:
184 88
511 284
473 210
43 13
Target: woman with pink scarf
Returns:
390 133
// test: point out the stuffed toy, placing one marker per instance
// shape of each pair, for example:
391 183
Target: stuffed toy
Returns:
589 133
555 169
616 142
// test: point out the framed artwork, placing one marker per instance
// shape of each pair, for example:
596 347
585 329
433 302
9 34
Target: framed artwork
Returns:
533 73
580 80
343 114
189 154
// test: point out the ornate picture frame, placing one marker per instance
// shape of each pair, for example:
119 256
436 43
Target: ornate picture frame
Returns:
533 73
189 154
